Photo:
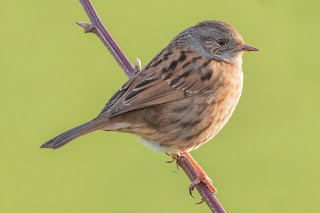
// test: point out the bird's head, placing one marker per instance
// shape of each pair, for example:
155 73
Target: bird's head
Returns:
218 39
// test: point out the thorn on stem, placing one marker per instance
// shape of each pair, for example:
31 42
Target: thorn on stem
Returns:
137 65
86 26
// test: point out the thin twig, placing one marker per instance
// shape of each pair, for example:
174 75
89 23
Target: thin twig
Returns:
206 194
98 28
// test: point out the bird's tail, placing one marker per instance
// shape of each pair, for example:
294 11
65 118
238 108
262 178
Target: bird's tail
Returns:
68 136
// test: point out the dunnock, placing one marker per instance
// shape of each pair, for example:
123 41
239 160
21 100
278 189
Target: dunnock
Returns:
184 95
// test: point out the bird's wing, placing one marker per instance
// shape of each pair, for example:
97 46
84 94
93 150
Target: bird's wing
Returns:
117 95
163 80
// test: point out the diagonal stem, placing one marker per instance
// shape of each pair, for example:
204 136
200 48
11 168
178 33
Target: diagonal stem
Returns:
98 28
206 193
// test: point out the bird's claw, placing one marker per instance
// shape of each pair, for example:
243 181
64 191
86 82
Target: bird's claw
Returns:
204 179
174 158
192 185
202 200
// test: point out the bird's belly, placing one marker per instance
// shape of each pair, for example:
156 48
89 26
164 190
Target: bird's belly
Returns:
187 124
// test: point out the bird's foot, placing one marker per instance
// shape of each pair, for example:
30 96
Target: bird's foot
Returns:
202 177
174 159
202 200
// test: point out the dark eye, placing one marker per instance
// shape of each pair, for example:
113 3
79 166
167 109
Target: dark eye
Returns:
221 41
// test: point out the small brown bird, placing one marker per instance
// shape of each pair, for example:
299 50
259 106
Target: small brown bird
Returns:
184 95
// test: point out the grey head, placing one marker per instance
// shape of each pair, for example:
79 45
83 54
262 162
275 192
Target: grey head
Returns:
218 40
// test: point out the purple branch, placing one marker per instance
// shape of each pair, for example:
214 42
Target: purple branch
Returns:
206 194
98 28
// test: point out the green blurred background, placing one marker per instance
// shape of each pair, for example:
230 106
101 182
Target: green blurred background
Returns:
54 77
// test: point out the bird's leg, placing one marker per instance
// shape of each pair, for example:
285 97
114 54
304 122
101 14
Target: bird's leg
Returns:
202 176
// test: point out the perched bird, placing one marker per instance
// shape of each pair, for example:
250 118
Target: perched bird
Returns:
182 97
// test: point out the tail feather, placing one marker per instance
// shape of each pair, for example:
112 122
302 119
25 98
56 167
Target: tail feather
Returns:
69 135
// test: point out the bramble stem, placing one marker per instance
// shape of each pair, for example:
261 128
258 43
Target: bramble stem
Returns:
99 29
206 194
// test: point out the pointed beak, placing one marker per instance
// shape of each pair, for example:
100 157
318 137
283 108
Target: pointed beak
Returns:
245 47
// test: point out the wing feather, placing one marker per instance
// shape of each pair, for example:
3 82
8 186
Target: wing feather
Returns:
164 81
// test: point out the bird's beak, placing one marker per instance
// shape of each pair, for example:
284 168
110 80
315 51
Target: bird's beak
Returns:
245 47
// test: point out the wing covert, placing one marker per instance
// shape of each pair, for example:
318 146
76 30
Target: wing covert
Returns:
177 79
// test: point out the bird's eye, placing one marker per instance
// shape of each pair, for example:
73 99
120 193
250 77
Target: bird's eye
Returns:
221 41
